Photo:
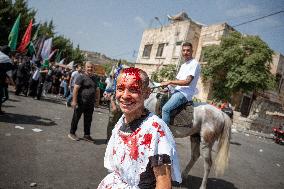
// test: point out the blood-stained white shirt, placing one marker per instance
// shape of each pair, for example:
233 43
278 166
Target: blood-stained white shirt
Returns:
127 154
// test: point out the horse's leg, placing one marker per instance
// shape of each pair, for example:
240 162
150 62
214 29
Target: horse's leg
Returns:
195 153
206 149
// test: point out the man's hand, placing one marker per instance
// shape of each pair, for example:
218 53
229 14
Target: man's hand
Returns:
74 104
107 96
163 176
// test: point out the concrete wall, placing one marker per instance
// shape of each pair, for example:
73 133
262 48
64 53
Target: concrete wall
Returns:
259 119
277 68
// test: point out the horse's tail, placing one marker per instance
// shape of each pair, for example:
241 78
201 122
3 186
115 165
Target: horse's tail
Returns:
222 158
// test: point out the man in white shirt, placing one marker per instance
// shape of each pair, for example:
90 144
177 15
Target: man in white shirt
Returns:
186 82
74 76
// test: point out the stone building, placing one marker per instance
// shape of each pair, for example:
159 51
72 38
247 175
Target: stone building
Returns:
162 46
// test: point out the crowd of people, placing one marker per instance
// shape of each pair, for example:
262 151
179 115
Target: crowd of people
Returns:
36 79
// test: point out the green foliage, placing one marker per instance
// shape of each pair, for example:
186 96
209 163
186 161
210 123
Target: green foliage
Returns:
64 45
108 67
239 63
9 12
77 55
166 73
47 29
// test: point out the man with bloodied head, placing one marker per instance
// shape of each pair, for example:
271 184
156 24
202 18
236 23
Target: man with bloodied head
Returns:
141 152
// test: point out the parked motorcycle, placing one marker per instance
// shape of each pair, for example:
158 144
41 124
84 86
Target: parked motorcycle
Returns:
278 134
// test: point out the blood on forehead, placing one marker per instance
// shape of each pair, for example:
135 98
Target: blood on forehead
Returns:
131 72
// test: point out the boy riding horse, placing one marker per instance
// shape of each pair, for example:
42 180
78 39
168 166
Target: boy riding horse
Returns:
186 82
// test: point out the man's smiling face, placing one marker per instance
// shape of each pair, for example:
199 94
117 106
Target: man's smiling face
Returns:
130 93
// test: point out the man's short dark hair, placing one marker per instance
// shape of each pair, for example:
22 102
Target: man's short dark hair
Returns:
186 44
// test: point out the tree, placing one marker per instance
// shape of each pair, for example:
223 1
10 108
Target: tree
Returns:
47 29
166 73
239 64
9 12
77 55
64 45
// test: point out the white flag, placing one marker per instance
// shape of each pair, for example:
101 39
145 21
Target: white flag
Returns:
61 61
46 48
70 65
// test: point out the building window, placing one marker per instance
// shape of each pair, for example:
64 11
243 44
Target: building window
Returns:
160 50
147 51
178 43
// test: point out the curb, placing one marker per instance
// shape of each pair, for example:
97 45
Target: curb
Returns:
255 133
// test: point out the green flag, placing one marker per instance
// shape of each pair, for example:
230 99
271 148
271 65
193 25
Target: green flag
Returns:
31 48
13 36
45 63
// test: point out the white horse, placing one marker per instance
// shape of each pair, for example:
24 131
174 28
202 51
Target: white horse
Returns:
209 124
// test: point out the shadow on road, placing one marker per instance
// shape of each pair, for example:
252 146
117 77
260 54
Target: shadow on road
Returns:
26 119
7 106
100 141
235 143
13 100
53 100
192 182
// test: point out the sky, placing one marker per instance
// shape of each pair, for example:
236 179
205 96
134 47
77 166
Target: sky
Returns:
115 27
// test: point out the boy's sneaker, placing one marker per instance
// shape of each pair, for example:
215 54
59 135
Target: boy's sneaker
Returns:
73 137
88 138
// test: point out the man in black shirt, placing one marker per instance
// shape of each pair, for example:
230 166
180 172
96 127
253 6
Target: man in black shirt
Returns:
83 102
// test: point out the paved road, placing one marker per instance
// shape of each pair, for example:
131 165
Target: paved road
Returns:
52 161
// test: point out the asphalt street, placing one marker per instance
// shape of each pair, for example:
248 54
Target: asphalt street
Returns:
34 148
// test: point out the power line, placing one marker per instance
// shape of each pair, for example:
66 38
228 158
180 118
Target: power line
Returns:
258 18
246 22
248 15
